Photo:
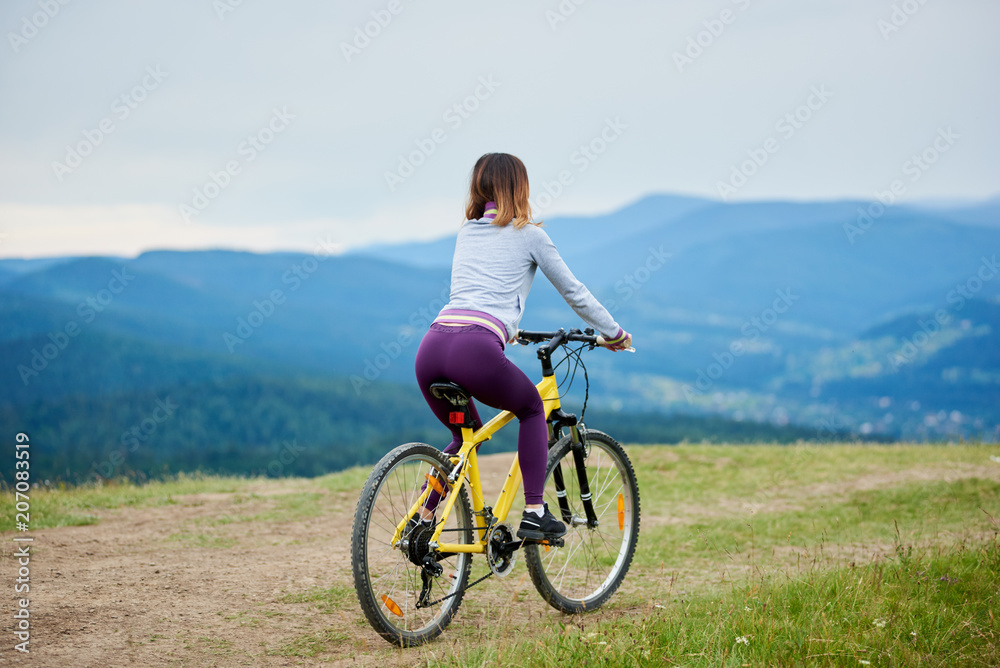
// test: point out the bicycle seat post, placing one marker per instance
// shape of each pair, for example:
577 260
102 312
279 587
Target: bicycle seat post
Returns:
460 416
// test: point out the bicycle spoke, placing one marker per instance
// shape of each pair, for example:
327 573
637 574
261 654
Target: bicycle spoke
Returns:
607 546
386 550
391 528
609 480
389 584
612 500
572 551
392 588
594 559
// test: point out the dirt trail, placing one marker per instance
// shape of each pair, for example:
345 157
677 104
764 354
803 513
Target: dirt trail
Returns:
186 585
232 579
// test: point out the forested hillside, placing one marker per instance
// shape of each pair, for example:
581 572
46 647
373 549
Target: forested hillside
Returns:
772 320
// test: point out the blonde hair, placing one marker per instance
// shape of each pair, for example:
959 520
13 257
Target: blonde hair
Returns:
503 179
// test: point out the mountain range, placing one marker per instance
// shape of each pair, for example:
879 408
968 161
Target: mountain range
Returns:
839 317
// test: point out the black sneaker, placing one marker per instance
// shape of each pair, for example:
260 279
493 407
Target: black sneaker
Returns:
546 527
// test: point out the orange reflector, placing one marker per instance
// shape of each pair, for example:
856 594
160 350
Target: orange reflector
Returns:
546 547
391 606
434 483
621 513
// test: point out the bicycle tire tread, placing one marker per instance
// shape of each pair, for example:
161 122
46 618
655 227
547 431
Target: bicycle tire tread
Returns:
533 560
369 605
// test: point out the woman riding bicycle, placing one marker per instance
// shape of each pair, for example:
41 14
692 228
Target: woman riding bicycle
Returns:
496 254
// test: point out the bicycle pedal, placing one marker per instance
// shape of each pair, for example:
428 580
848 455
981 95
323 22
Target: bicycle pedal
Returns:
544 542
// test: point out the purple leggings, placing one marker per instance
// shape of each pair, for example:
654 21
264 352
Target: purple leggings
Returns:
473 357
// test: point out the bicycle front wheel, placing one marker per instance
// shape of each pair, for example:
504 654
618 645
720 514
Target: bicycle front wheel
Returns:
397 592
584 573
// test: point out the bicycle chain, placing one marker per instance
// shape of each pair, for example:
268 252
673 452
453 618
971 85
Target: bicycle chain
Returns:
456 593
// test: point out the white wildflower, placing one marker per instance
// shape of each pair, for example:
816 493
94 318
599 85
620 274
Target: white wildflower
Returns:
864 663
879 623
742 640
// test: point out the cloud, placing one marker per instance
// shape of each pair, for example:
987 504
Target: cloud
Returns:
31 230
126 230
355 119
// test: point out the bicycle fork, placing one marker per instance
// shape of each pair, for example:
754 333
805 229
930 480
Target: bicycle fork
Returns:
561 420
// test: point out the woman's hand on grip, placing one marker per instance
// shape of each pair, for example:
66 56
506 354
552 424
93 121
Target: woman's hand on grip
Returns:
623 341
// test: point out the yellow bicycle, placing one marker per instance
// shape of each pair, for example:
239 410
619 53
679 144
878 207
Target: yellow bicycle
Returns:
399 563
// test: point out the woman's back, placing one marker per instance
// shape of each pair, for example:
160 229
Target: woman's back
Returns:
494 267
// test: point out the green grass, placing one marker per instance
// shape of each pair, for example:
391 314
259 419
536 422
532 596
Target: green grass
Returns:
932 607
202 540
292 507
324 599
691 474
923 511
216 646
223 520
350 481
310 644
748 555
73 506
242 618
802 495
799 555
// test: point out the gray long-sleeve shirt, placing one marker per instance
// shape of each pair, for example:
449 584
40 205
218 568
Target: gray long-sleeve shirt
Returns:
494 267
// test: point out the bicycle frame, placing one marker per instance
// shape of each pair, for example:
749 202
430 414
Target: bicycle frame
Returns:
466 462
581 566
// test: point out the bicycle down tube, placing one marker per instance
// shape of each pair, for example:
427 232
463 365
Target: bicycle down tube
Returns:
399 569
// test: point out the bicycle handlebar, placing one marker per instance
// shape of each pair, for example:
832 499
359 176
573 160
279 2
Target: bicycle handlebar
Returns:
556 339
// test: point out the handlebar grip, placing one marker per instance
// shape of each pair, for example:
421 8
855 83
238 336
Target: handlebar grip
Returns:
601 341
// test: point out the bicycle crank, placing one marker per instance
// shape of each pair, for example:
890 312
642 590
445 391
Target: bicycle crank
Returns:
500 549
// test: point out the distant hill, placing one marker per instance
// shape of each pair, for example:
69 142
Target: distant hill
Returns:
813 303
242 305
573 234
918 361
115 407
725 259
984 213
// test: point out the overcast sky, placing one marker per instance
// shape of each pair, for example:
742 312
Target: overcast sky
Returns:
264 125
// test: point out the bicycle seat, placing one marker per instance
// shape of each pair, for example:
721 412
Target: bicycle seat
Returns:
453 392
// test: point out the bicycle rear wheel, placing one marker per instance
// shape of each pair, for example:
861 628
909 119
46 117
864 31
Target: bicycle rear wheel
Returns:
589 568
389 579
